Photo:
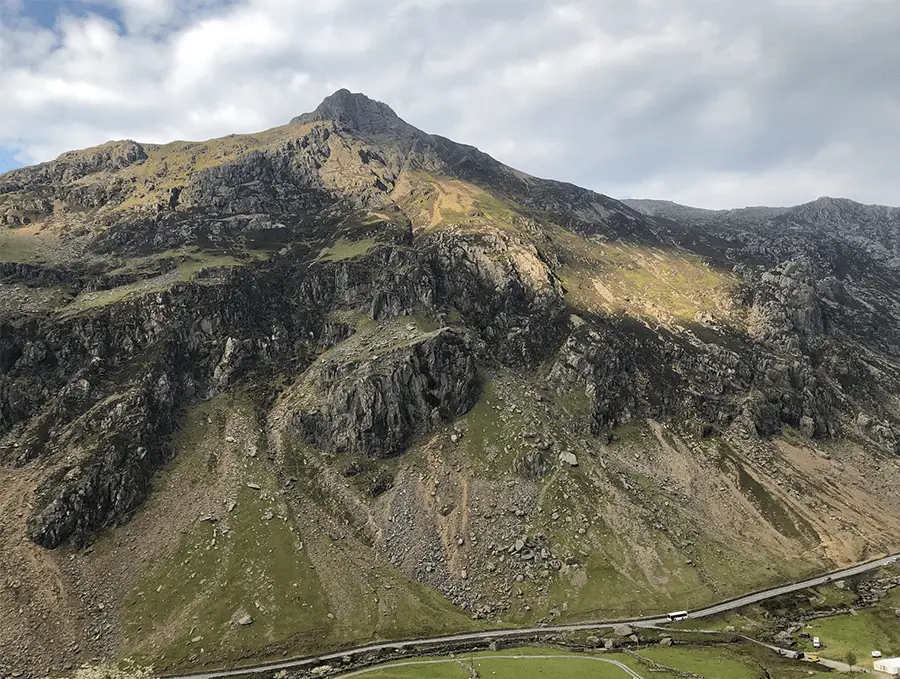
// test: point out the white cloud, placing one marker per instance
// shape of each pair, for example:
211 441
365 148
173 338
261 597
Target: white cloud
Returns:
713 103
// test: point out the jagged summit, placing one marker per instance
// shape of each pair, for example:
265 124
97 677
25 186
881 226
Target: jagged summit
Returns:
356 111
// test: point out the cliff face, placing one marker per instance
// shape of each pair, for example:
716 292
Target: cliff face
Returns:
375 291
377 406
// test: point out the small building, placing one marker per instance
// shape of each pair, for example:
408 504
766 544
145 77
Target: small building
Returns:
888 665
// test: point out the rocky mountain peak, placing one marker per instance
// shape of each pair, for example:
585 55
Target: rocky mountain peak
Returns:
355 111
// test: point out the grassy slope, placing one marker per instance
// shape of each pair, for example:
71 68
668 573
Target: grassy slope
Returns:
657 284
244 563
255 559
190 262
24 244
344 249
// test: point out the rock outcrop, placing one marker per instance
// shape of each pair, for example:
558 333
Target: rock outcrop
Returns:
376 406
350 210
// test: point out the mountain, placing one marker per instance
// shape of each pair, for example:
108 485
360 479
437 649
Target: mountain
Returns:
874 228
344 380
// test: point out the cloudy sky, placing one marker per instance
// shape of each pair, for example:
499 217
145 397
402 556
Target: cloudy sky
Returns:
716 103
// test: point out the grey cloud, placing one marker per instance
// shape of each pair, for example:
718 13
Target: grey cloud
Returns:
718 103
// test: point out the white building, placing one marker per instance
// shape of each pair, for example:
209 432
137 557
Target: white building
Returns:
888 665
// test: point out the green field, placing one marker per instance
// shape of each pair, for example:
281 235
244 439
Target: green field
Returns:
512 664
875 629
714 662
722 663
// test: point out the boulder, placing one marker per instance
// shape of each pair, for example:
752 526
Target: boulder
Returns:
569 459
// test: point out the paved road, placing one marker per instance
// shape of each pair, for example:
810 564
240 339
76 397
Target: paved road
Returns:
622 666
793 587
513 633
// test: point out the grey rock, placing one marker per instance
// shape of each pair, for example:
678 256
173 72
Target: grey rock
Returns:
569 459
376 407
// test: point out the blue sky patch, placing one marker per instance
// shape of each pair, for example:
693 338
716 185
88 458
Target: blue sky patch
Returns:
7 161
47 12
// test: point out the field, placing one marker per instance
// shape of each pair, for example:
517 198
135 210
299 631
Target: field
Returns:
861 632
732 662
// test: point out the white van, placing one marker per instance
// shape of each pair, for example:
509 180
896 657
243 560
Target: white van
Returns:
816 643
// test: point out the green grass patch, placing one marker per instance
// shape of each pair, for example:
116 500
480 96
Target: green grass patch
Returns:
521 663
22 245
435 669
719 662
570 668
736 661
257 568
345 249
731 661
869 630
185 271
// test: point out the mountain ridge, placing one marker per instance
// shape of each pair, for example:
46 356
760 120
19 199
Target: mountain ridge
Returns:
362 114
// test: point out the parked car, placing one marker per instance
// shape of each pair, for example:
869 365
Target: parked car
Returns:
794 655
